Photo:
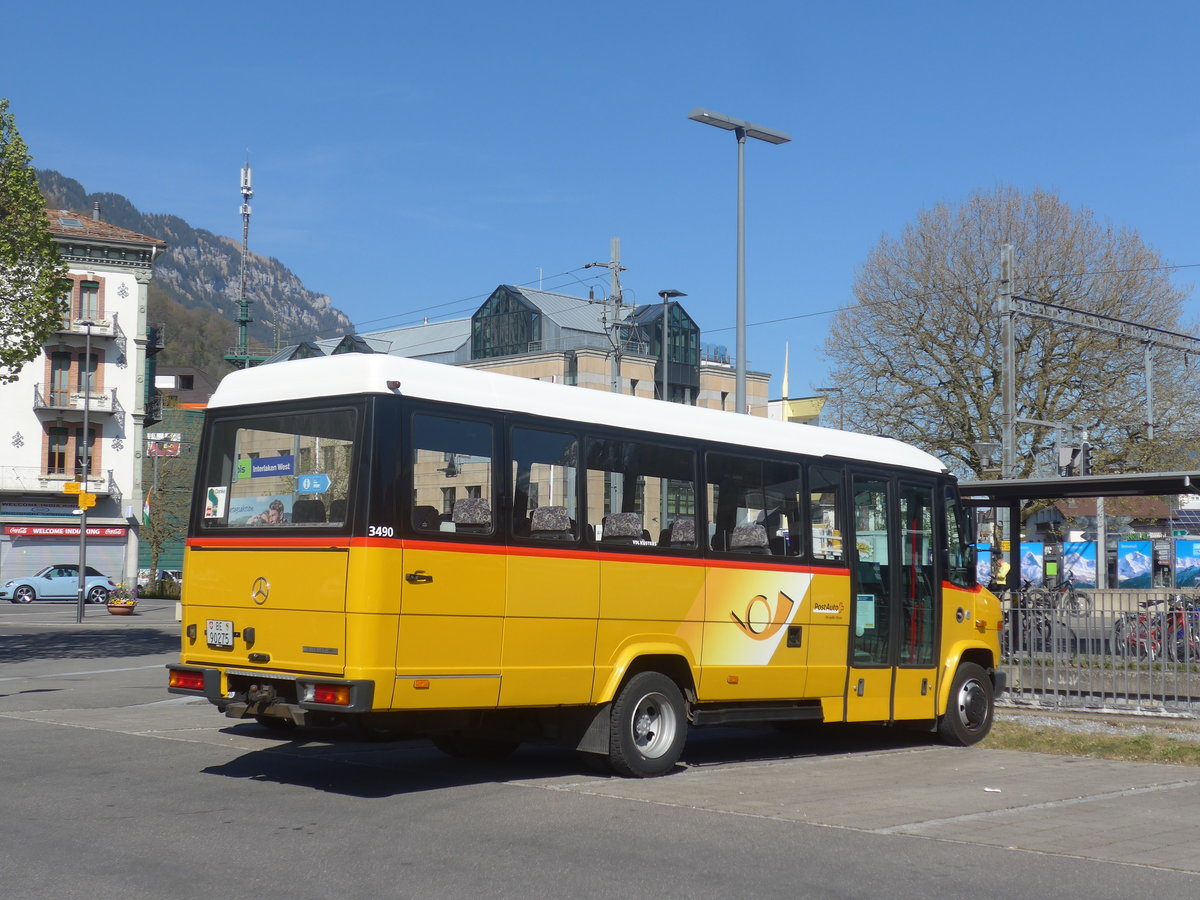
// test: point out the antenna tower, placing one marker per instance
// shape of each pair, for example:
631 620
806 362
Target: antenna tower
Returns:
243 318
240 356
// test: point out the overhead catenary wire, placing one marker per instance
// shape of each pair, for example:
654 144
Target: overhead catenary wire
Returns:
900 297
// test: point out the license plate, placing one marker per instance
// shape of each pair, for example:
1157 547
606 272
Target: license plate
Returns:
219 633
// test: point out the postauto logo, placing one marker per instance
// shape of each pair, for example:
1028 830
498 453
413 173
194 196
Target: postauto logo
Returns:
762 619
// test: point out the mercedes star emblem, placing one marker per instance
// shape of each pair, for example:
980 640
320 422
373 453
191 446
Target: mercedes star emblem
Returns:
261 590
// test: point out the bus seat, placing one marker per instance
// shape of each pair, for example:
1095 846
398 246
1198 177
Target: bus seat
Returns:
426 518
749 539
472 515
307 512
622 528
337 510
551 523
682 532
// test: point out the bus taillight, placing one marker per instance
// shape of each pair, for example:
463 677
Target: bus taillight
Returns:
332 694
186 680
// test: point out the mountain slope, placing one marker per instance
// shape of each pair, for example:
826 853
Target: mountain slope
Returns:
200 271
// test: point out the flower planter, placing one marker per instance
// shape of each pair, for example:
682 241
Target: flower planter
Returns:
120 609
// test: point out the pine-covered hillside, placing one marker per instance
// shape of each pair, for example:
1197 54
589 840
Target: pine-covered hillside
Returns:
199 281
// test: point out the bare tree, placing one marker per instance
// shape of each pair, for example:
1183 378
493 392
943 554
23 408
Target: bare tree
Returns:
919 356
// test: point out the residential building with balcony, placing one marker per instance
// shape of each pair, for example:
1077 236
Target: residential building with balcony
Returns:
99 360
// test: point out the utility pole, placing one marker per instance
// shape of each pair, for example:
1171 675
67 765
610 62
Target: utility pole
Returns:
85 464
614 275
614 296
1149 368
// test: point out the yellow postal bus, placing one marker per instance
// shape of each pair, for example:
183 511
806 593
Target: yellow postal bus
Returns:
400 545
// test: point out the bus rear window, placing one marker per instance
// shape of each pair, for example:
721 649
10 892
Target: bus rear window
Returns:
290 470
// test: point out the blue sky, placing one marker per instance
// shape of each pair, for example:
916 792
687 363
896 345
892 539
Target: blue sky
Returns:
410 157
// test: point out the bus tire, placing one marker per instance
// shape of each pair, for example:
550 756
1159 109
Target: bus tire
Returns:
648 727
970 709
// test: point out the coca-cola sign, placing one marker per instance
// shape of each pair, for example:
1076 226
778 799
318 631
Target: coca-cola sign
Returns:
63 531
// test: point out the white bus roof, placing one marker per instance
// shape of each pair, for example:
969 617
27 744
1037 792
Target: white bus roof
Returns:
365 373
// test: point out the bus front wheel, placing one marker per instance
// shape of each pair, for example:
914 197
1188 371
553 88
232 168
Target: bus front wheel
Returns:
972 704
648 728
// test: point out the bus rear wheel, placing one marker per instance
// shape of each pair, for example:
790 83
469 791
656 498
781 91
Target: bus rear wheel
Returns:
648 727
972 705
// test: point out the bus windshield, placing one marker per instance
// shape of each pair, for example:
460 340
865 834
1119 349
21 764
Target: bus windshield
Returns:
282 470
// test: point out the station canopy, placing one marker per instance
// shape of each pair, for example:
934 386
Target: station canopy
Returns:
1006 491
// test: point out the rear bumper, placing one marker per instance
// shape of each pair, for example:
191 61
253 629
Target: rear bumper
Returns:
248 694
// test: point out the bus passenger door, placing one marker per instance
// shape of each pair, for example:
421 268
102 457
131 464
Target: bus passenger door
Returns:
448 648
915 693
452 598
892 674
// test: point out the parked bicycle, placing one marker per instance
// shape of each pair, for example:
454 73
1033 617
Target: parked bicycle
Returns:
1065 596
1161 628
1031 625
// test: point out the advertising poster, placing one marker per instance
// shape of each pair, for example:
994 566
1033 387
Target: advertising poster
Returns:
1187 563
1079 563
983 564
266 510
1033 564
1135 564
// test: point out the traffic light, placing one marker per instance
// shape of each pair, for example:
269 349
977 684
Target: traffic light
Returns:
1085 459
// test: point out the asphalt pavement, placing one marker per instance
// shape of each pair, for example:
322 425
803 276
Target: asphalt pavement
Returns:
1130 827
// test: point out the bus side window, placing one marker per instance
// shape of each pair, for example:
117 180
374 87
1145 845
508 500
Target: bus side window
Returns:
545 475
825 513
636 492
960 542
754 505
451 464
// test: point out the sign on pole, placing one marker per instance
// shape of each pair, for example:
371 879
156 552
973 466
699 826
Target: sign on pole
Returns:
72 487
163 443
86 500
314 484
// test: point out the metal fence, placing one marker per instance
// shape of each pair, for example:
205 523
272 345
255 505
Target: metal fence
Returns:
1116 649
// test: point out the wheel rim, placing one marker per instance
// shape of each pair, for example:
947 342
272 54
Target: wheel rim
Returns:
653 726
23 594
97 595
972 705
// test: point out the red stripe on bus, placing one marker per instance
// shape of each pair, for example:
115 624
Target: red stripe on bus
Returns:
515 550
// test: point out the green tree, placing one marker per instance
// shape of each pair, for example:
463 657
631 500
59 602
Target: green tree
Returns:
31 302
919 356
167 474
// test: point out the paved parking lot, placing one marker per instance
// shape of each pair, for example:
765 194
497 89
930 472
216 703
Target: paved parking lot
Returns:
101 685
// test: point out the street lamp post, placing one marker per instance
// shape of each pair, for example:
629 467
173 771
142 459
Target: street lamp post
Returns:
742 130
667 296
86 464
841 406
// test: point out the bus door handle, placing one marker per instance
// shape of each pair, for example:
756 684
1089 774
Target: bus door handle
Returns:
418 577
